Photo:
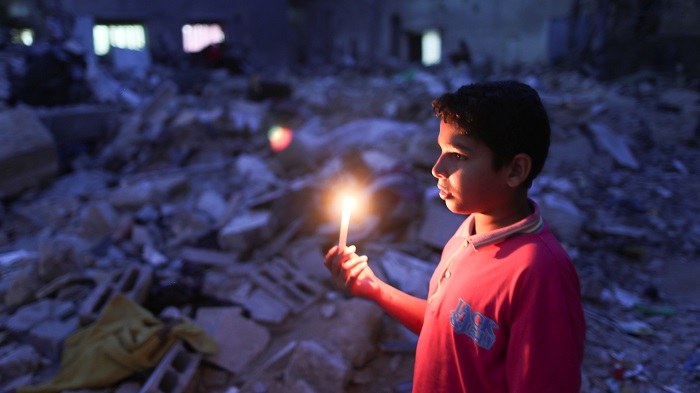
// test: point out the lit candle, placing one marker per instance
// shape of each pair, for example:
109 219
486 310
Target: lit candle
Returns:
348 205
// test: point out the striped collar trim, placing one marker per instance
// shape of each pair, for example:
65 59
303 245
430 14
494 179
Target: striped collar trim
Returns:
531 224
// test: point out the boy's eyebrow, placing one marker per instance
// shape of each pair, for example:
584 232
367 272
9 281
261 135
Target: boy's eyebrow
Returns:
458 146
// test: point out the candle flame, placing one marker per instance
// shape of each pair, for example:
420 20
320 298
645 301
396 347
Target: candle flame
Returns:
348 204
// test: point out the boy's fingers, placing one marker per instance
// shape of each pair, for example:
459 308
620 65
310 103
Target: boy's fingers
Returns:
352 273
350 263
348 250
333 250
336 263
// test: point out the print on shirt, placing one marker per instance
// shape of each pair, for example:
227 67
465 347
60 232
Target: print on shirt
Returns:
473 324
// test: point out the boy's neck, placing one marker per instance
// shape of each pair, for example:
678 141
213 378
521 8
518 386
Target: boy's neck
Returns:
509 215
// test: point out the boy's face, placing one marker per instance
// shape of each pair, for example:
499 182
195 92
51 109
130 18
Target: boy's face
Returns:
466 178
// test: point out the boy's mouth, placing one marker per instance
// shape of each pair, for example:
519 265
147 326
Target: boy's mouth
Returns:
444 194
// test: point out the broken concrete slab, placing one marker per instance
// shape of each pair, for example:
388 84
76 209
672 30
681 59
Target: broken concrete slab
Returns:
29 316
98 220
245 230
307 255
614 144
575 152
20 361
324 369
79 124
62 254
22 286
407 272
142 126
212 203
564 217
265 307
678 280
28 152
354 329
208 256
671 128
136 62
258 176
371 133
439 223
287 284
48 336
240 340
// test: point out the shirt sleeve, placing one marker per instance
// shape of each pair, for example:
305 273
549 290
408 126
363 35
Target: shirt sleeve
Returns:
547 329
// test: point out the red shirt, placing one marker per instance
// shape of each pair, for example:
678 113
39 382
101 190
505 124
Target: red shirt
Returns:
504 314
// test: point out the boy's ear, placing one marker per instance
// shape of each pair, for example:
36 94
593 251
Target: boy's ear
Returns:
518 170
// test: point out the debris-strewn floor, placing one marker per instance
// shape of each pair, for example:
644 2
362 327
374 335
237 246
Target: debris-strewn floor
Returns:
180 202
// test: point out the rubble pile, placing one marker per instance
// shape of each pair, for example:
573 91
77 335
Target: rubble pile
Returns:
178 203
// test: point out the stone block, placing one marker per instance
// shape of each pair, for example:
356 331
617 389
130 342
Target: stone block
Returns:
355 328
30 315
48 337
287 284
134 282
265 307
174 372
237 350
212 203
208 257
77 124
439 223
28 154
407 273
323 369
308 255
245 231
99 220
20 361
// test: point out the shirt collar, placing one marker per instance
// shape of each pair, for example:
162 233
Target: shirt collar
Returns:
530 224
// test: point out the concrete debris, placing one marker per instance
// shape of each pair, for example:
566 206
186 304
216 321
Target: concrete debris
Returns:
407 273
28 153
240 340
318 368
613 144
179 199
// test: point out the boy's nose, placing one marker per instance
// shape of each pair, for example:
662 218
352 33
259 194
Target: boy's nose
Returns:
437 170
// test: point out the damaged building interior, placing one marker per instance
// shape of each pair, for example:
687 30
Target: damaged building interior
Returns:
169 176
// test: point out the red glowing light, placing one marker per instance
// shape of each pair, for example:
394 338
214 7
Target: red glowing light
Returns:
280 138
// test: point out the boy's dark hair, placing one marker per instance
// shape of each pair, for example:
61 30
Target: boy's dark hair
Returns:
507 116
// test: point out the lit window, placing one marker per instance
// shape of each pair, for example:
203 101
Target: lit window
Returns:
22 36
131 37
431 47
198 36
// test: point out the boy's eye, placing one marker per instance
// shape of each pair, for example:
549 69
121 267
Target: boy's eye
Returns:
458 157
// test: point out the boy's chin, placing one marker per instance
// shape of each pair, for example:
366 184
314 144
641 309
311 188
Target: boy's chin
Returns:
454 208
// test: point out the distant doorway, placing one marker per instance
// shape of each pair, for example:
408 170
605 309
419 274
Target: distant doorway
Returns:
396 30
415 51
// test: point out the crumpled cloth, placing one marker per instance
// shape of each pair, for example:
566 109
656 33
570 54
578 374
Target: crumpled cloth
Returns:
125 339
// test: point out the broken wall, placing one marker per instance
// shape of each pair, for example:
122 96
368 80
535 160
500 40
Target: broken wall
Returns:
610 38
341 31
507 31
259 27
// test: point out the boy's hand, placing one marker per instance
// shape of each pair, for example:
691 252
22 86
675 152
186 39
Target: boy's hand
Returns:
351 273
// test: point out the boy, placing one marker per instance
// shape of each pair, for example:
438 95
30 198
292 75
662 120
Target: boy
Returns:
504 310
